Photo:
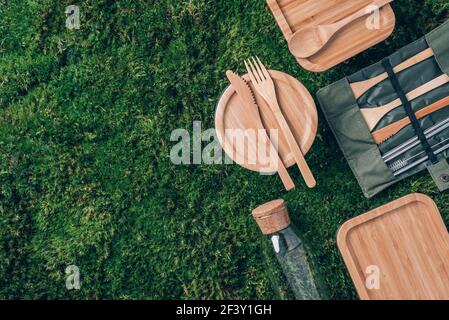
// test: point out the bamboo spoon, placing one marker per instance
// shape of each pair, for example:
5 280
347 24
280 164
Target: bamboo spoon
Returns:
359 88
307 42
374 115
382 135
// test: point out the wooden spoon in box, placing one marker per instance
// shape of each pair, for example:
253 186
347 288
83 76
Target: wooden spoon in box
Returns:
309 41
382 135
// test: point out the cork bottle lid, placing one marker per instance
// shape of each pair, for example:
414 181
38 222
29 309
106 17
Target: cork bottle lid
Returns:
272 217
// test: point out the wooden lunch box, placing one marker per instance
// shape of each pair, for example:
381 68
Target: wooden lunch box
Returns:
399 251
293 15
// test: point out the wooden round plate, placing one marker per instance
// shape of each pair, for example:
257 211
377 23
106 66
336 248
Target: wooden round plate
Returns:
298 108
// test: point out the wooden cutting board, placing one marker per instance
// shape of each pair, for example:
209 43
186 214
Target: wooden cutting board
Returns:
297 105
407 242
293 15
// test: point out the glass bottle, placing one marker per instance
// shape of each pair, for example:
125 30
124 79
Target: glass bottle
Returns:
274 221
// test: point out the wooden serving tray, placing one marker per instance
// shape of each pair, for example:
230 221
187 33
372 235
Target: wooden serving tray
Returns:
293 15
298 108
409 244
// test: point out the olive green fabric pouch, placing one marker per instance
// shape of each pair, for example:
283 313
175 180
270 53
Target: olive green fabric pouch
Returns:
375 172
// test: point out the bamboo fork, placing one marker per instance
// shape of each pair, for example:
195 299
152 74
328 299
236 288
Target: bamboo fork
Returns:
374 115
382 135
361 87
264 85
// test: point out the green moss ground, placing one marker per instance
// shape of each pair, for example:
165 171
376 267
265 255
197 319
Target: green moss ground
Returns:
85 174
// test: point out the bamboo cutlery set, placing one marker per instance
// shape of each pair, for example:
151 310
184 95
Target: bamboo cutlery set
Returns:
391 120
309 41
258 91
